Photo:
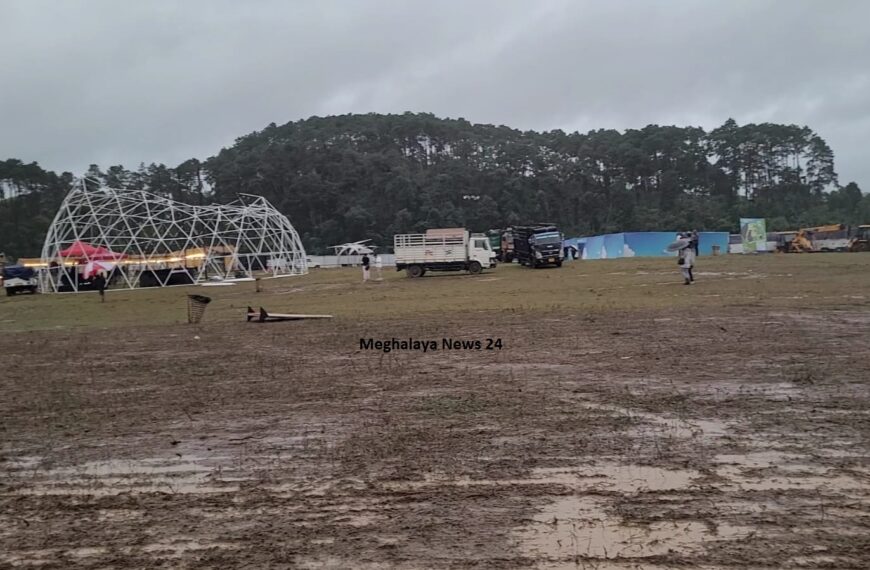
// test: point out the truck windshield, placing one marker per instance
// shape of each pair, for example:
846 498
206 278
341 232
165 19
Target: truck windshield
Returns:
481 244
547 238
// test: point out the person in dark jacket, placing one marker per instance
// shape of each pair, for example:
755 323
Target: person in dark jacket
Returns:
100 285
695 239
365 265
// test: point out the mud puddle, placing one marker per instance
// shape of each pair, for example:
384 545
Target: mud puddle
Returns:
582 527
106 478
614 477
174 548
772 470
673 426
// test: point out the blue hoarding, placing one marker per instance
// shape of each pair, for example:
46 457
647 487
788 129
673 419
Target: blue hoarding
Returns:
644 244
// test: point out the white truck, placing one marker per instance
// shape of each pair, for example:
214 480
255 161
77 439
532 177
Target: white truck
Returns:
449 249
18 279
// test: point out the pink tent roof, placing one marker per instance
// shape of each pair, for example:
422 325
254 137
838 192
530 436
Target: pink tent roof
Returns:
82 249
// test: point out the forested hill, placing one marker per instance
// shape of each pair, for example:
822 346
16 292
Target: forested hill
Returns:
352 177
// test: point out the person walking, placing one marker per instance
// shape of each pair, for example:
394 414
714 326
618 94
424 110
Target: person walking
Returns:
365 267
100 285
686 260
379 267
694 245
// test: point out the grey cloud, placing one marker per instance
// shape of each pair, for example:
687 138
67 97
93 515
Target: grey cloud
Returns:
113 82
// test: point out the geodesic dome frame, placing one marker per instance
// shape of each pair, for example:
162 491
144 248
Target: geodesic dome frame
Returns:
146 240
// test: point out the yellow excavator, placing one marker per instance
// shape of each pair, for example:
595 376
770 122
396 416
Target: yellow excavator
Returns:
861 240
802 242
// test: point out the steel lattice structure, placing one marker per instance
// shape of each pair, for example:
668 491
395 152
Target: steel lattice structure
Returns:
143 240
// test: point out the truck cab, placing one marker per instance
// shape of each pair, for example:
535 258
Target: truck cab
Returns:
480 250
538 246
494 237
507 246
547 247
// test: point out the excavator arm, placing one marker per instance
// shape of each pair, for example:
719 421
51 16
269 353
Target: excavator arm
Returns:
803 241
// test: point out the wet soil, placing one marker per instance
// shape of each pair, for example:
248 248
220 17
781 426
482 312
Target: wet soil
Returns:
710 438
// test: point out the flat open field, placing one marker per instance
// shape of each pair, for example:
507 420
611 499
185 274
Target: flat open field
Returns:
626 422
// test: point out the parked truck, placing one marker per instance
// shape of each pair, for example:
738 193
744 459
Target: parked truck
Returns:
507 246
494 237
449 249
18 279
539 245
502 244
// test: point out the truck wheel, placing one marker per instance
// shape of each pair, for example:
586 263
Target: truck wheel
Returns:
10 291
475 268
415 271
533 263
558 264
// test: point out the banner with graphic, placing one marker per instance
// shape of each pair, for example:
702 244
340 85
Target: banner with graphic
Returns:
643 244
753 233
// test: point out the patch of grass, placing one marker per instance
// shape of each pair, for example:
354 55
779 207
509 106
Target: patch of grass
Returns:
601 286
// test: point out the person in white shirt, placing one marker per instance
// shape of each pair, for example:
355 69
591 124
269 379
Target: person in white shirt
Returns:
379 267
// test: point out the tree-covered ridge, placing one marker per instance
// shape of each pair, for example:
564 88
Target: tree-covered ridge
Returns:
351 177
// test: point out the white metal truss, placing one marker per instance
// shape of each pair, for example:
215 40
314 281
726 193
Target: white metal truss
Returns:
156 241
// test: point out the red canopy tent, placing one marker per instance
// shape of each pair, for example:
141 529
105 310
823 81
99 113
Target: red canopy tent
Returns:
84 250
94 267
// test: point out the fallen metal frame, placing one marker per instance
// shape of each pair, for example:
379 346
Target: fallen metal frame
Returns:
262 316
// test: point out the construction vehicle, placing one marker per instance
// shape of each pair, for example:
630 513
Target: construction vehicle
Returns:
833 237
860 240
450 249
538 245
782 240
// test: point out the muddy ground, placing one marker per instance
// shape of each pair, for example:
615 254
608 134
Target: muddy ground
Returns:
698 437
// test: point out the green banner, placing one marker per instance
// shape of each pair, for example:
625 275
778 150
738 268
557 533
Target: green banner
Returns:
753 232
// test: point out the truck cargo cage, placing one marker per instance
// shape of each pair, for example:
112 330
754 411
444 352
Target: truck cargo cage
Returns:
448 249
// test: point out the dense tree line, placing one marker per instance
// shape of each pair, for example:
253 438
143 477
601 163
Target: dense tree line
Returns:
351 177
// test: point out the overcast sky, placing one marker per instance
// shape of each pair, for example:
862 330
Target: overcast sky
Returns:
111 82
